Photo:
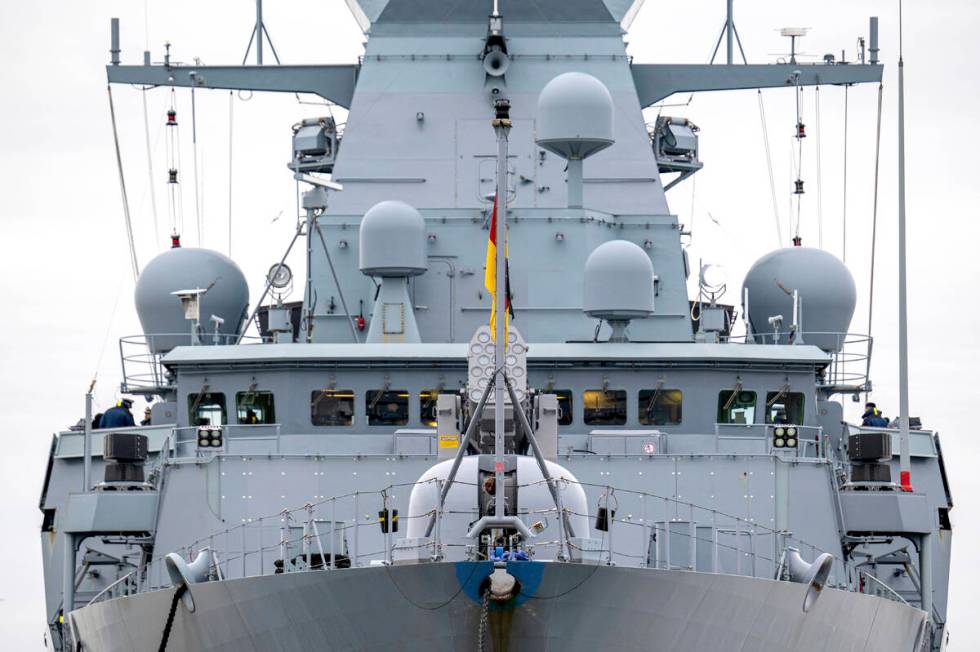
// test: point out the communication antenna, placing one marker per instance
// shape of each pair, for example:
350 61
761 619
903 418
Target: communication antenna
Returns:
793 33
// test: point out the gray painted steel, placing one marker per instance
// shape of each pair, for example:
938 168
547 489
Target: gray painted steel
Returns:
575 608
677 434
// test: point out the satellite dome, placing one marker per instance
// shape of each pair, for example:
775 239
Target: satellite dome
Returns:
575 116
618 282
825 286
185 268
462 498
393 240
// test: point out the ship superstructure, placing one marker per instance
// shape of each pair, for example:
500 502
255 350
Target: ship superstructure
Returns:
372 471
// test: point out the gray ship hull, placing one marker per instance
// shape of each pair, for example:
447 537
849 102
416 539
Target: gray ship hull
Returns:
566 607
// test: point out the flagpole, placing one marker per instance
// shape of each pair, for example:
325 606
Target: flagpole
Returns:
501 125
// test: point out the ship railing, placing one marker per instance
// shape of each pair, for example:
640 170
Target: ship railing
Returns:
328 533
142 367
881 589
850 355
642 529
234 437
772 439
125 585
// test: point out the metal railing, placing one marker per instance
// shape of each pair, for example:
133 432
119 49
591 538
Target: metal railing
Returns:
849 353
142 369
809 440
328 534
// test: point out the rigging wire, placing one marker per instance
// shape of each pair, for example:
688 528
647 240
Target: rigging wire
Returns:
231 142
176 197
772 180
122 186
874 227
816 108
149 167
800 134
197 192
844 208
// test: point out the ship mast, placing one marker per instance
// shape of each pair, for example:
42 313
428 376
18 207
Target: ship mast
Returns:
903 335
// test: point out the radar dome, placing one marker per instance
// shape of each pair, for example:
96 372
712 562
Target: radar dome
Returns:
462 498
575 116
825 286
392 240
618 282
186 268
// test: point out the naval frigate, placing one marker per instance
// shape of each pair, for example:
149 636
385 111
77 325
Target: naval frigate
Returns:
527 436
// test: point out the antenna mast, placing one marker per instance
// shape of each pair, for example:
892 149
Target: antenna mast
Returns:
903 328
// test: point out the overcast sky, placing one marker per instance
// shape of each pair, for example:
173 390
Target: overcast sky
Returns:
67 284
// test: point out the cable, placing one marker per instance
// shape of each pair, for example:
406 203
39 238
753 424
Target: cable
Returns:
844 210
197 192
149 167
772 180
816 101
231 133
122 186
874 229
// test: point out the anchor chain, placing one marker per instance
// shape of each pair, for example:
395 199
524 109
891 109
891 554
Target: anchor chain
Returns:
484 614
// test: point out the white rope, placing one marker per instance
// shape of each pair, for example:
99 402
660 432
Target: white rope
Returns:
874 225
197 192
122 187
816 100
231 141
844 209
772 180
149 167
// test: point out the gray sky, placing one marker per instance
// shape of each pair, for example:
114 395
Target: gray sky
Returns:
67 285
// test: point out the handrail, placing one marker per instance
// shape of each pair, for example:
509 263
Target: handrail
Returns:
110 587
885 586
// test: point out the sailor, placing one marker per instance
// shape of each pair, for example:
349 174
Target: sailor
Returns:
147 416
118 416
873 417
250 417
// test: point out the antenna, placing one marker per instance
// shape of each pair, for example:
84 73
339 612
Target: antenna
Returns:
793 33
903 336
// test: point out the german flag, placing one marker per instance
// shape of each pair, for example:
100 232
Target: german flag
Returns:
490 280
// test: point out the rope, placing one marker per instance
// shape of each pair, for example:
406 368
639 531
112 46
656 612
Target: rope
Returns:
844 210
197 191
772 180
816 101
799 158
874 228
149 167
122 187
170 616
231 133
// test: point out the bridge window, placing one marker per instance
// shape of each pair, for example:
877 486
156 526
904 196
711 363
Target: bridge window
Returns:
736 406
564 405
332 407
255 408
428 398
660 407
605 407
785 407
207 409
387 407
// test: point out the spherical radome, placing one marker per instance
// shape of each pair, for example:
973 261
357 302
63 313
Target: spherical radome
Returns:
618 282
825 287
575 116
463 495
392 240
187 268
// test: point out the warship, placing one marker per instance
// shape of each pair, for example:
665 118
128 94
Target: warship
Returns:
496 420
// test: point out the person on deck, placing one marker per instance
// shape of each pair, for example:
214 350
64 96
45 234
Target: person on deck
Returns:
873 417
118 416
